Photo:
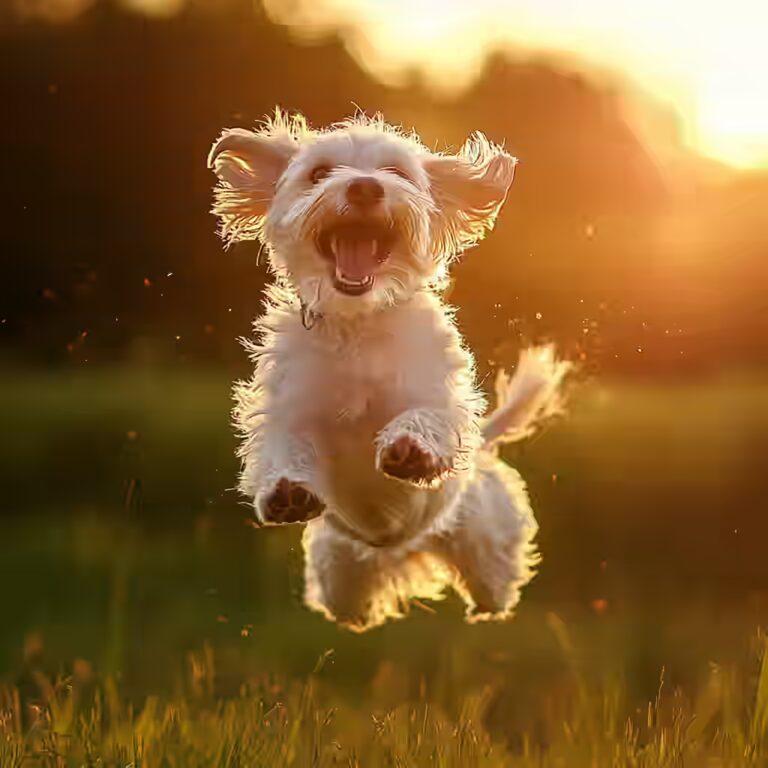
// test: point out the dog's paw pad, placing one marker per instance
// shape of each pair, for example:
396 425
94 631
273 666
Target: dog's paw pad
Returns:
290 502
405 459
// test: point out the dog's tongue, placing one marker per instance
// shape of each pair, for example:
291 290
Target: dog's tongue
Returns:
356 258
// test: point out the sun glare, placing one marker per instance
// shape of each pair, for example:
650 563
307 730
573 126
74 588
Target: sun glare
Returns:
159 8
732 119
708 60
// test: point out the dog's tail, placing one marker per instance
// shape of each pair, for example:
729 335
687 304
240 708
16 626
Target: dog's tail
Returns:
524 399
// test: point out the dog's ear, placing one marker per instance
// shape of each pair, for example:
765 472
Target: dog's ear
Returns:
468 188
248 166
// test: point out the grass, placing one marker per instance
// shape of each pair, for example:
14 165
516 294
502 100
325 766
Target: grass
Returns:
120 544
276 723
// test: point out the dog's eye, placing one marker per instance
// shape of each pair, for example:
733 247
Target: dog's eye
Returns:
398 172
320 173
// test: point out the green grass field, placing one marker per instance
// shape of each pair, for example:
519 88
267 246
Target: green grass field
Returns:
272 722
145 622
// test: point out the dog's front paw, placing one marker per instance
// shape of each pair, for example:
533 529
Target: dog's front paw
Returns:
289 501
407 459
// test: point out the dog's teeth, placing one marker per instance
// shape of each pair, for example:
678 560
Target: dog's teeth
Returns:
333 245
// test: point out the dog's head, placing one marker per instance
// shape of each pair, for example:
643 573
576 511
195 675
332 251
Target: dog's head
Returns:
359 215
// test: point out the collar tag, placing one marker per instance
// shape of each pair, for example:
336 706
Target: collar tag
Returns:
308 317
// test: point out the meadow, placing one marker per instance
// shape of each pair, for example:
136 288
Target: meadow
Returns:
146 622
277 723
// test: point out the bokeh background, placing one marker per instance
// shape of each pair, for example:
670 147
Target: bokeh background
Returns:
635 237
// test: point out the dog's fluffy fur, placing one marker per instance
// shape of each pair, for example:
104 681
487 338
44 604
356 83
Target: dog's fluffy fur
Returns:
363 418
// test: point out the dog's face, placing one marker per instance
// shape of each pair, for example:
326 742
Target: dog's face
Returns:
358 216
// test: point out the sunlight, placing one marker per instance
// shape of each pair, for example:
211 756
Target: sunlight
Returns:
159 8
709 62
732 115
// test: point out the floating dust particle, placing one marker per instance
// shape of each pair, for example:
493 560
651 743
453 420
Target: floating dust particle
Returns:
599 605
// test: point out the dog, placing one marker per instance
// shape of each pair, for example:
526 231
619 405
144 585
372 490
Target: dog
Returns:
363 419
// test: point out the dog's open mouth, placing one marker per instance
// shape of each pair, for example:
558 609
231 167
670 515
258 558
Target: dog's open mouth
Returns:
356 249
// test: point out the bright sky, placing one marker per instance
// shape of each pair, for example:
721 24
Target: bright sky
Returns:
707 57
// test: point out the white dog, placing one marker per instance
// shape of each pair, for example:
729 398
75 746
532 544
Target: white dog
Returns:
363 418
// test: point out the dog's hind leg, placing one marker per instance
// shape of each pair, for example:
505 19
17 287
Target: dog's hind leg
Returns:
343 578
490 545
360 586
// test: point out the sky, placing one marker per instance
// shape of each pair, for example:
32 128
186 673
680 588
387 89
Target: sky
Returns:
707 60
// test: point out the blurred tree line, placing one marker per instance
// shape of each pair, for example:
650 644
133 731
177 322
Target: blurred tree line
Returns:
635 261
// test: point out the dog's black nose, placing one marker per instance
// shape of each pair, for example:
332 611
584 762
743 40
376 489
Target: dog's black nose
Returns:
364 191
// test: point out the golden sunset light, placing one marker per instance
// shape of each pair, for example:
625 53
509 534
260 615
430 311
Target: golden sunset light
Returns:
384 382
708 61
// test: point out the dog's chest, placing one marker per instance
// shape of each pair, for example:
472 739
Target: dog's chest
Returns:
358 381
347 382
